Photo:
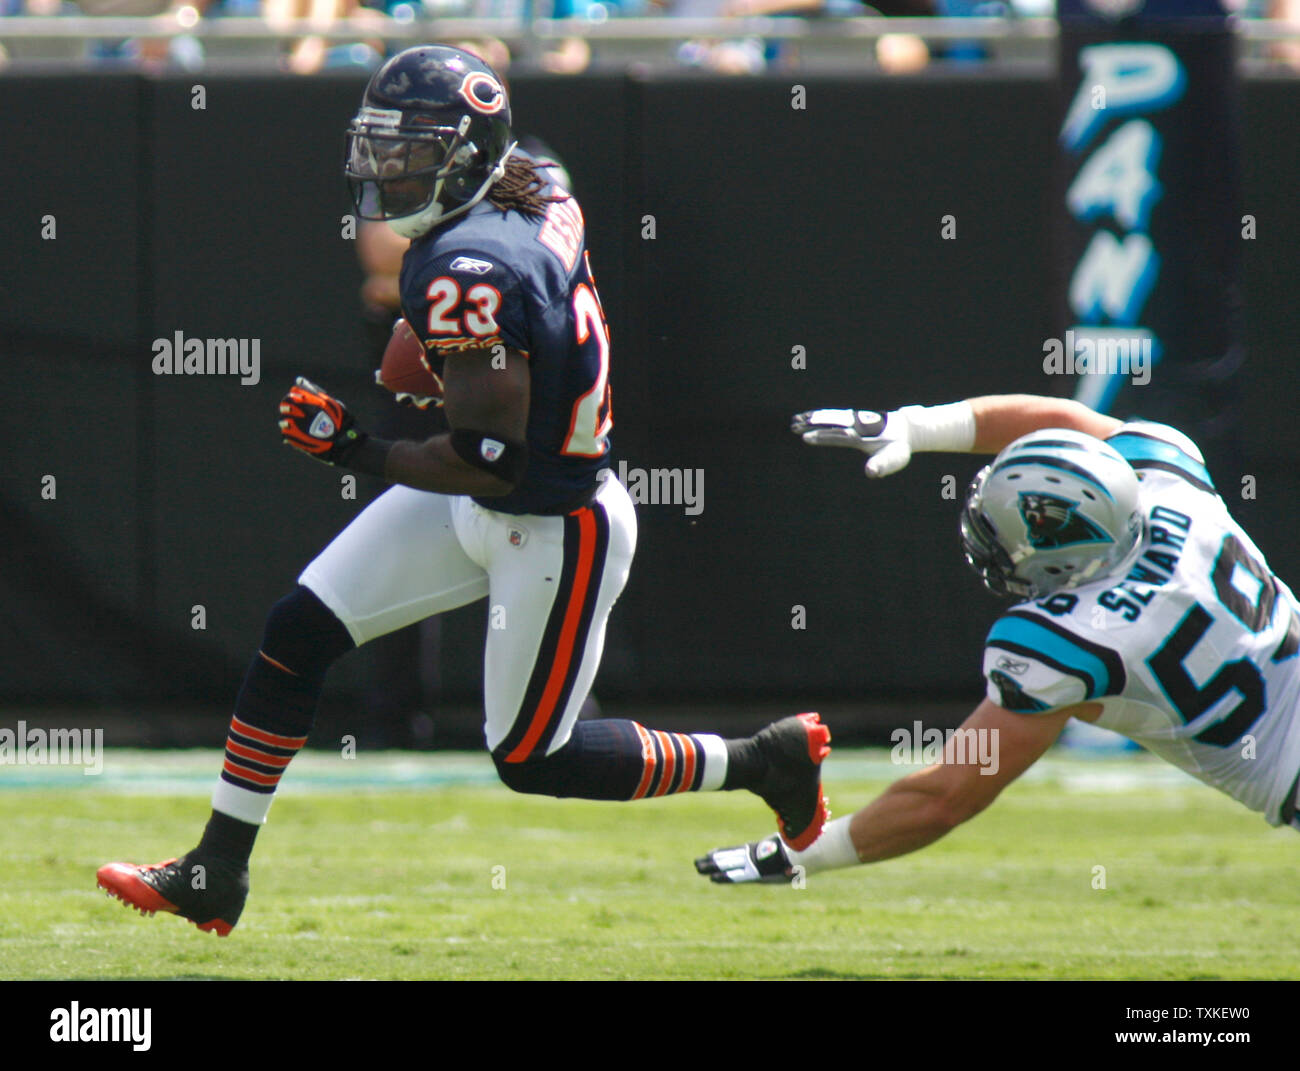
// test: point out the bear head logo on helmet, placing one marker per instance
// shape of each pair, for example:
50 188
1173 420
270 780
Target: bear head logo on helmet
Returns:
1054 510
432 136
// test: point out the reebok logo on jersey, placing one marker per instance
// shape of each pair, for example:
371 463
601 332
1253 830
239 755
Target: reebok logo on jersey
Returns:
1012 666
322 427
474 267
491 449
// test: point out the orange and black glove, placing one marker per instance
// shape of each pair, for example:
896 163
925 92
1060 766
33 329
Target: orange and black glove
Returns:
320 426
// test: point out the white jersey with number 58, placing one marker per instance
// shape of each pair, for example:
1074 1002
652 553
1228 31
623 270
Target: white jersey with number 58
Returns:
1192 653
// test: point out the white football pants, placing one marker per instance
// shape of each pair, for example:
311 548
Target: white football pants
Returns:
550 583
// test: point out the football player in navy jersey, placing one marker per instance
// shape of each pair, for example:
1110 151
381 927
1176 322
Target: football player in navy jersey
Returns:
1141 606
516 503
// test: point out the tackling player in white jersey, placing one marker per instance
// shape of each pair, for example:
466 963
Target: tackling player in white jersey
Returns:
1141 606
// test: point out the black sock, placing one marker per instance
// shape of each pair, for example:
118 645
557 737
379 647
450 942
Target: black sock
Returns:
228 840
746 764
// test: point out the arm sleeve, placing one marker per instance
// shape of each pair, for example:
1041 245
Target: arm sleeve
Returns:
1033 665
1148 446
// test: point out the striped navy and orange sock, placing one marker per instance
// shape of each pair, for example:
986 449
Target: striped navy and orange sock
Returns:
273 715
679 762
615 759
255 761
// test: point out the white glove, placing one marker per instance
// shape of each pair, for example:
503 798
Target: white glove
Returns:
885 437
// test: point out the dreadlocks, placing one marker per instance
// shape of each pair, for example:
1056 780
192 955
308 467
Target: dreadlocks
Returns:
520 188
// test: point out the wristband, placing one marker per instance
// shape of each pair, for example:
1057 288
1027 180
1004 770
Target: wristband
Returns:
504 459
940 428
368 457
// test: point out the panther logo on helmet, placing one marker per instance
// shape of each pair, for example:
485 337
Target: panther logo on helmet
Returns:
1054 522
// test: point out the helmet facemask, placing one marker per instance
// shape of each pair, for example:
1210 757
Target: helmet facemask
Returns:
983 552
430 140
412 173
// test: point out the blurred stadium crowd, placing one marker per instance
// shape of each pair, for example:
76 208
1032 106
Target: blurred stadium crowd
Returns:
359 33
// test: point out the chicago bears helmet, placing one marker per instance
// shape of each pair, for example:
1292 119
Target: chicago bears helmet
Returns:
1054 510
431 138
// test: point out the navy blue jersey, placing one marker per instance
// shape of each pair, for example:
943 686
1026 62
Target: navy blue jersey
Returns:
499 279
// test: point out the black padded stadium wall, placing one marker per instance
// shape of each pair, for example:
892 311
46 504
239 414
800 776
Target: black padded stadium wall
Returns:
754 258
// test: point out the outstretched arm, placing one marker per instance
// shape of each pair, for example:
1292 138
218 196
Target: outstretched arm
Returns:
1001 419
991 749
978 425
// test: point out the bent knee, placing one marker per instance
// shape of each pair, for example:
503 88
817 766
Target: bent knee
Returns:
303 634
540 776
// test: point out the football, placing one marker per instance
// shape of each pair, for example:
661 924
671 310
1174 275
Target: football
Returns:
404 369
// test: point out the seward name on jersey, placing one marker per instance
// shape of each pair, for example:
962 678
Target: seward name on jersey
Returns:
1193 654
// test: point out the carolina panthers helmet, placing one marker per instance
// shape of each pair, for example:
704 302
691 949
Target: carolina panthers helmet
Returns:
1054 510
431 138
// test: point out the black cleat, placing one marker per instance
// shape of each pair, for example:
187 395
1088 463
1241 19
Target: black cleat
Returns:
794 748
208 893
762 860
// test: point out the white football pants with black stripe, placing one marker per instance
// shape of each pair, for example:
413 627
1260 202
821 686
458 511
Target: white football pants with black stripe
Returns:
550 583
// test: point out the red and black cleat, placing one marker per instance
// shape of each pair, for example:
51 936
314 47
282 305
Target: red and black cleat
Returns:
210 895
792 787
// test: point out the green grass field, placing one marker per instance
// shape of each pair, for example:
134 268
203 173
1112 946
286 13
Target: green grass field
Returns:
387 870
